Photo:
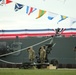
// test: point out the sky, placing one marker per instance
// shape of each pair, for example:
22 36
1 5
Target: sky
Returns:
9 19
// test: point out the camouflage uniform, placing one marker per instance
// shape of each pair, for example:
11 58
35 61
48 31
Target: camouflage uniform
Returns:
42 54
31 54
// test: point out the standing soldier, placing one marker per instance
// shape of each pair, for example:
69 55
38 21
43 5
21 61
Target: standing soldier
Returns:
42 54
31 54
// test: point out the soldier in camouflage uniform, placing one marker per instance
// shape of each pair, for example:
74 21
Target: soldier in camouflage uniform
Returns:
42 54
31 54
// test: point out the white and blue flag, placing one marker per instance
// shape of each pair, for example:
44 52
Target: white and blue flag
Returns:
2 2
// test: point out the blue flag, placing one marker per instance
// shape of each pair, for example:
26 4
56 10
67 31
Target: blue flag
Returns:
62 18
51 15
18 6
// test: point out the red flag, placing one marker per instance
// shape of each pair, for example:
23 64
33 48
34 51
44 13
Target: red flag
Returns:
8 1
31 9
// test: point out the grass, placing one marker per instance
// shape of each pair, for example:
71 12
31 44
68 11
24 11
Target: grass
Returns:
16 71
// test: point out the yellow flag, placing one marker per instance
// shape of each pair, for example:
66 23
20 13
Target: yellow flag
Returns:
41 13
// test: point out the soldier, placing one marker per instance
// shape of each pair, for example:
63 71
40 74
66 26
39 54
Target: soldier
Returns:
31 54
42 54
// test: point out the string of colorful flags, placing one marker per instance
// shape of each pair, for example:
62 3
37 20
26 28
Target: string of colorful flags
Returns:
30 10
